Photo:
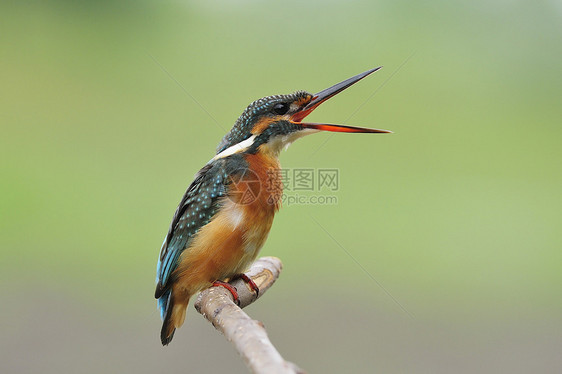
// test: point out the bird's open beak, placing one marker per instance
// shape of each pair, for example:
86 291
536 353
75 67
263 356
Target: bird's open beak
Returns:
324 95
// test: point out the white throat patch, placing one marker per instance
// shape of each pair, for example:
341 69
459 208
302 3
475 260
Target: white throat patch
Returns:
282 142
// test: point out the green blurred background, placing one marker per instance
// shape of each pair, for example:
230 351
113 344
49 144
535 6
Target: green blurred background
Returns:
457 215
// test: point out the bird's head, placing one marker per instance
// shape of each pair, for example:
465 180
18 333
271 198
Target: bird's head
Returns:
274 122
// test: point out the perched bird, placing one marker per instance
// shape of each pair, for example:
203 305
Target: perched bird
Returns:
225 215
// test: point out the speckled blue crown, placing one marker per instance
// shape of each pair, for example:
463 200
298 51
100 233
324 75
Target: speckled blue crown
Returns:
243 126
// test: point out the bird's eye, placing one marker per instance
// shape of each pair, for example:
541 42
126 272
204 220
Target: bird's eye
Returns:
281 108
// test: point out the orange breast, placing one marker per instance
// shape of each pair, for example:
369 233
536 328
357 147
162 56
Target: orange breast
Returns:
231 241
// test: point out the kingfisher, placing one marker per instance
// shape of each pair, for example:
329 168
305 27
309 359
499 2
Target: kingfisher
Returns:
224 217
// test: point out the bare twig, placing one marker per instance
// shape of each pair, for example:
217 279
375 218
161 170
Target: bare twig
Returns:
247 335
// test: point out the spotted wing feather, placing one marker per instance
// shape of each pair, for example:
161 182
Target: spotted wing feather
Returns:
197 207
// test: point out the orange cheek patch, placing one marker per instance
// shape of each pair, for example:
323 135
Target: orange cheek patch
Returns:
264 124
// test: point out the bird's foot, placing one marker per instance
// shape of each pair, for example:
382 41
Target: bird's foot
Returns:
230 288
249 281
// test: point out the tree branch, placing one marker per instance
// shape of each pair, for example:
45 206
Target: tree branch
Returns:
248 336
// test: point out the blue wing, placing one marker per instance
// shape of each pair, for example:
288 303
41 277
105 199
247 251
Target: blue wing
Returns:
197 207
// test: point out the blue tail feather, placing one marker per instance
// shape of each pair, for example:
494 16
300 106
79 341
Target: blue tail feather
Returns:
164 303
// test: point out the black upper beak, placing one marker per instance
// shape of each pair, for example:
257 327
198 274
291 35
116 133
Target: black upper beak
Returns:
324 95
